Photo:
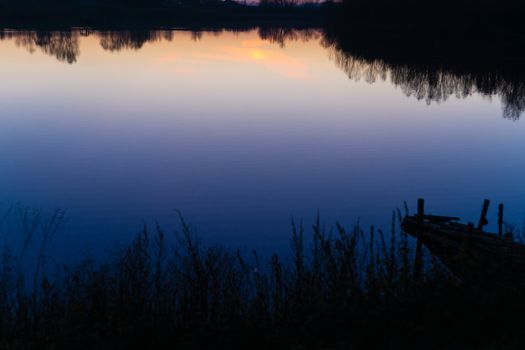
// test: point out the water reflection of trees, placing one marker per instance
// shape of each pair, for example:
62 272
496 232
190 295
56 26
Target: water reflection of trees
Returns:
436 82
280 35
64 45
417 73
432 81
134 40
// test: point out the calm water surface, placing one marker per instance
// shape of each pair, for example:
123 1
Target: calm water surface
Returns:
239 133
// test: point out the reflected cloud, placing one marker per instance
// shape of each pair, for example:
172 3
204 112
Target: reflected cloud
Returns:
254 52
170 58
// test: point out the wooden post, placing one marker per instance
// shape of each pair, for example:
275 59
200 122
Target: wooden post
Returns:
420 208
483 218
500 220
418 263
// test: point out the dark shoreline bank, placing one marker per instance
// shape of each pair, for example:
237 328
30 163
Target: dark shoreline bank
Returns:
198 17
339 289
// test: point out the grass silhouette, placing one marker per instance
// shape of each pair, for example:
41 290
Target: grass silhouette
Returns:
351 289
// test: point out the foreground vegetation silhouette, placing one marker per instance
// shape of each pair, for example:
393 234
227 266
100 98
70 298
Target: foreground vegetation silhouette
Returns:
338 289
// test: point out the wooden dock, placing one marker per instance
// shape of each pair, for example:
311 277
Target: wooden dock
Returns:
466 250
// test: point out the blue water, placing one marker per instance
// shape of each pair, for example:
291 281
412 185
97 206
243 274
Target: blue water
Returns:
240 135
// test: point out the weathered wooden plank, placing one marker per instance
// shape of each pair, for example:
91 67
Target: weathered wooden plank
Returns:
483 217
440 218
418 262
500 220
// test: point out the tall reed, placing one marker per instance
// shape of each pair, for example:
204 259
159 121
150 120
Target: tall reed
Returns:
338 288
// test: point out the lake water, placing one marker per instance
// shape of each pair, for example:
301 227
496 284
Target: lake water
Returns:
240 132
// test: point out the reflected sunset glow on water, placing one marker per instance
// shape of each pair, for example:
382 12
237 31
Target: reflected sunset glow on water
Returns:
238 132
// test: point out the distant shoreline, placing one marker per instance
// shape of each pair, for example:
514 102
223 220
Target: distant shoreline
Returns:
428 21
202 17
